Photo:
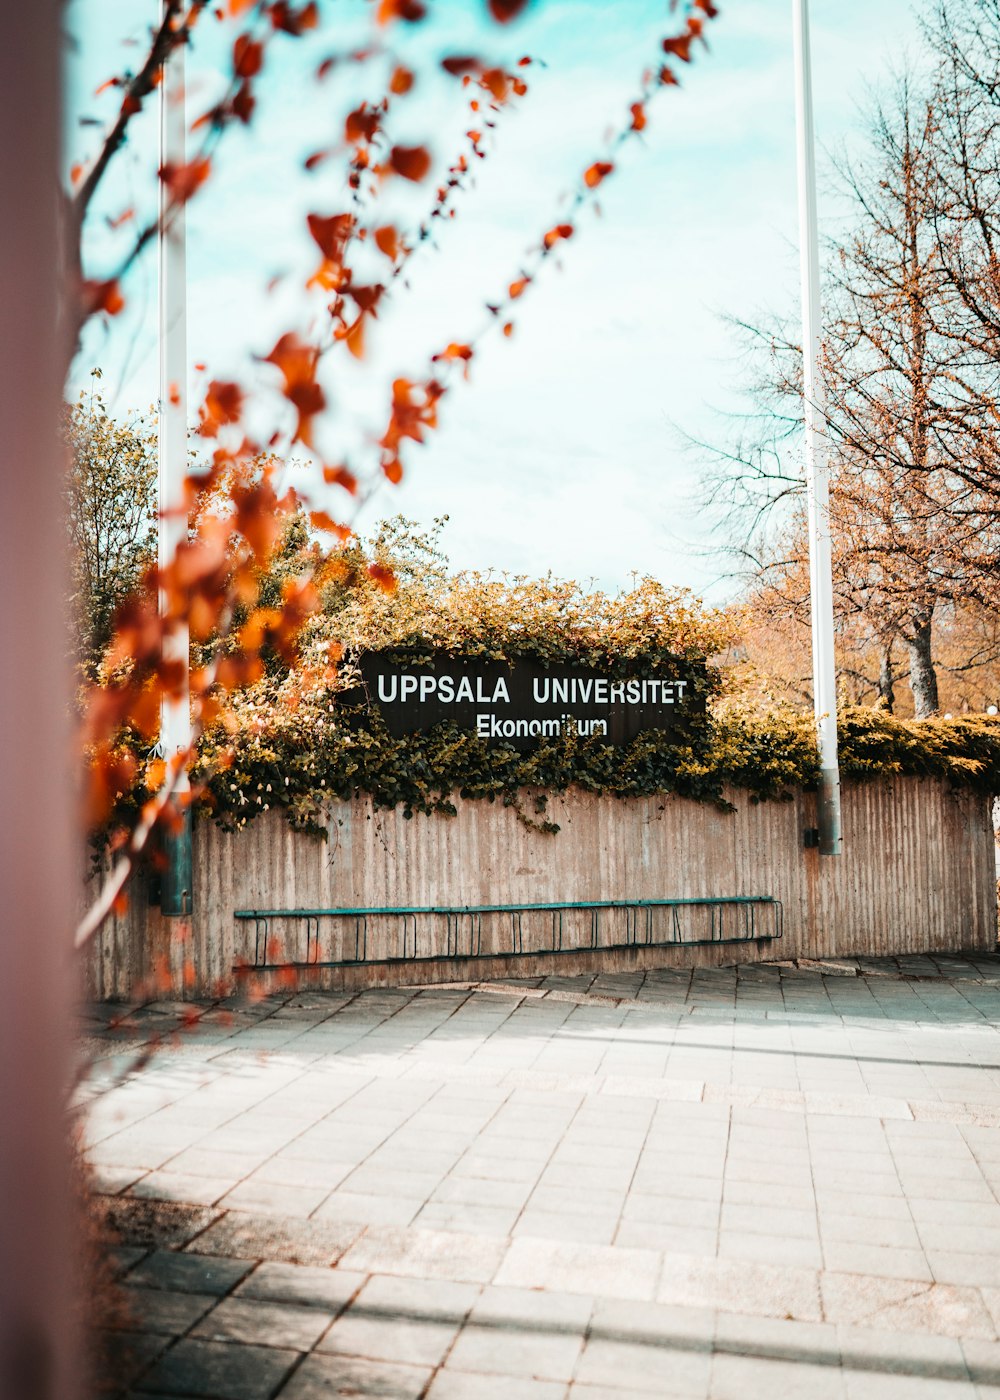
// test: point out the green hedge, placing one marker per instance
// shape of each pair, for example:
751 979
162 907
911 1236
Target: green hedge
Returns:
302 759
288 743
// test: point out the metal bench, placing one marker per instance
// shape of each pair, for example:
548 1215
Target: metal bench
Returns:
756 919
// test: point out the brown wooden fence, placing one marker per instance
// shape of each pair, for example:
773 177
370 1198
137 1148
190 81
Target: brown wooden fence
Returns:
917 875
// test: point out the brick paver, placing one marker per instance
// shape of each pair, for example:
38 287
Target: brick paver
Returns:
765 1180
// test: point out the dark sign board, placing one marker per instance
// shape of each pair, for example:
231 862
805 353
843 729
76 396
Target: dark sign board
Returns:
525 702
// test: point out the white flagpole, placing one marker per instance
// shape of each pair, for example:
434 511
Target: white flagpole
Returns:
817 474
175 713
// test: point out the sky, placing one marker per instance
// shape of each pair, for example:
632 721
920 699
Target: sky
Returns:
565 452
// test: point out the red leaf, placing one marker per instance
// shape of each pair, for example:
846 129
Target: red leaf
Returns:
294 21
412 162
638 116
248 56
331 234
457 64
503 11
243 104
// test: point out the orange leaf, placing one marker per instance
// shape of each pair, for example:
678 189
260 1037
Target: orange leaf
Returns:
401 81
156 774
384 577
361 124
517 288
638 116
102 296
679 46
256 516
455 351
387 241
412 11
508 328
183 180
340 476
297 362
393 469
322 521
555 234
223 404
597 172
496 82
412 162
355 338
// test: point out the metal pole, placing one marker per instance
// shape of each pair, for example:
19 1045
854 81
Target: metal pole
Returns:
175 713
817 474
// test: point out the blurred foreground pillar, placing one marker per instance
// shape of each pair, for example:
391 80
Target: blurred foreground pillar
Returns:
37 859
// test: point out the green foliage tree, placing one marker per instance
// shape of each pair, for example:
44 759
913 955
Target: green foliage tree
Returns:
111 507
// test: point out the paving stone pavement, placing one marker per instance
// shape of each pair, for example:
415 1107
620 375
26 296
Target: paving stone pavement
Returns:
768 1180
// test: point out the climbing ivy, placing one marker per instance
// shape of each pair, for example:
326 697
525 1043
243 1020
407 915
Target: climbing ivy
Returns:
295 741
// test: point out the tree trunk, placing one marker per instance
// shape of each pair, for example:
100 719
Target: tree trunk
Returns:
923 678
886 689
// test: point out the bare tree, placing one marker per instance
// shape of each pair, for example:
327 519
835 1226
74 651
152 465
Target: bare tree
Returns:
903 392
